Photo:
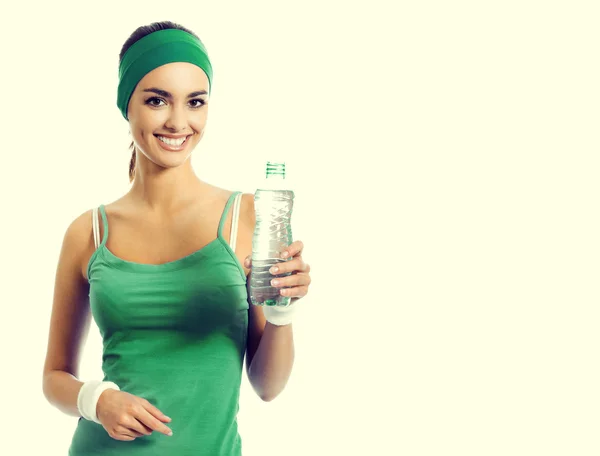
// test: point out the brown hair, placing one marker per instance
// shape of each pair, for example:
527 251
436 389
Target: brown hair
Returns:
138 34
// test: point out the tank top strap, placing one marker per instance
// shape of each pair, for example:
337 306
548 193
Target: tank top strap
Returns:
225 212
104 224
95 228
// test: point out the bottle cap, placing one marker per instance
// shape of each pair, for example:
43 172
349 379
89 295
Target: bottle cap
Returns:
275 169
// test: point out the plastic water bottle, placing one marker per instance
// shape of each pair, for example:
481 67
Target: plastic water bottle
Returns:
272 235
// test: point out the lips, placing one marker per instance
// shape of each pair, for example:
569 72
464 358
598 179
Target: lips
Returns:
172 143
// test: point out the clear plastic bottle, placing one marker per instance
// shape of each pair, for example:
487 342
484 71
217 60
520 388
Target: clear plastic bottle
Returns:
273 205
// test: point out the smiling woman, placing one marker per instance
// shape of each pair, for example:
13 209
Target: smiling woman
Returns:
168 288
203 72
167 113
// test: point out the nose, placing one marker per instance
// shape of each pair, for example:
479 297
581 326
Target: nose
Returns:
177 119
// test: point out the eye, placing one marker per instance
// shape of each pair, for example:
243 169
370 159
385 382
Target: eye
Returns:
154 101
197 102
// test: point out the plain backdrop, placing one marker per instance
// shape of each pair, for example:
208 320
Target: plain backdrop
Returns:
445 160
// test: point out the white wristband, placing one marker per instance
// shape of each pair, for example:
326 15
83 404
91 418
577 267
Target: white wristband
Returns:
279 315
88 396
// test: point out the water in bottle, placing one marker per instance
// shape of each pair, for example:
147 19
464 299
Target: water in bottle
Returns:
273 204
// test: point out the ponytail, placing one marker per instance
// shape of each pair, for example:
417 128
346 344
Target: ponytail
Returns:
132 163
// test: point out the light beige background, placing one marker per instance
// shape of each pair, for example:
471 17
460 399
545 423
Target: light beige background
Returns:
446 164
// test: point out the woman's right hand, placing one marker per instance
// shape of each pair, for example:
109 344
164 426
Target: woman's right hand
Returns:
127 417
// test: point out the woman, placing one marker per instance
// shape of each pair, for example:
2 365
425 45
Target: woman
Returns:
164 272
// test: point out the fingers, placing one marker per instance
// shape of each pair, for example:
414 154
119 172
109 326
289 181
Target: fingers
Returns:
295 265
294 249
294 286
137 434
154 411
128 427
122 437
138 428
127 417
147 417
295 280
296 272
122 433
294 292
128 433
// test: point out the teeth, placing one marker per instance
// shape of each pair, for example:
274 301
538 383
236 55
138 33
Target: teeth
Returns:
172 142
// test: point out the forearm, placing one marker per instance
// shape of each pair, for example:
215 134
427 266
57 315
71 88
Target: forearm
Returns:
61 390
272 363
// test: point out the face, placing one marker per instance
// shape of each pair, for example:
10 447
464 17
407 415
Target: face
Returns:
167 113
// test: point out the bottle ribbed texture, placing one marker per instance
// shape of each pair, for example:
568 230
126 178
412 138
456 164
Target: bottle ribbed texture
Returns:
272 236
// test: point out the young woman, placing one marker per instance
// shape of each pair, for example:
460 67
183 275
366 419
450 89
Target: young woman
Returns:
164 272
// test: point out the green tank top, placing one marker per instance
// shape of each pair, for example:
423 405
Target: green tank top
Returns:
174 334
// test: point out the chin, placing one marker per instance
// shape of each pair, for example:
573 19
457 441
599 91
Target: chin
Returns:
172 160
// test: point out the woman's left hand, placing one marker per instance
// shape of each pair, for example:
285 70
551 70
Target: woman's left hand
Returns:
296 284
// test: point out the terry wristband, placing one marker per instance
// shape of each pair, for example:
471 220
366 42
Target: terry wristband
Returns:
279 315
88 396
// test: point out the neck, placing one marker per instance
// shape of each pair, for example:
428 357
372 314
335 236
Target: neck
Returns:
165 189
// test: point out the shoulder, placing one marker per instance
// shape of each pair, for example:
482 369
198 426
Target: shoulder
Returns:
79 231
247 214
247 207
78 241
247 218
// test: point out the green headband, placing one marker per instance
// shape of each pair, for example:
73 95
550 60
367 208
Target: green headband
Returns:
154 50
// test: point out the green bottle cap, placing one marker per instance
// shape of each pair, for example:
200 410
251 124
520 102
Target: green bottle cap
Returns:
275 169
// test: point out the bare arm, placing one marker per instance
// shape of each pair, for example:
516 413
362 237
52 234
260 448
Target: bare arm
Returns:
70 319
269 356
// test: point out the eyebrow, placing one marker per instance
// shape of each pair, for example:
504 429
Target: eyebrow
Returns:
164 93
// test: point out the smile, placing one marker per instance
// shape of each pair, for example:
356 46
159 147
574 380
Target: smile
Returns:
173 142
